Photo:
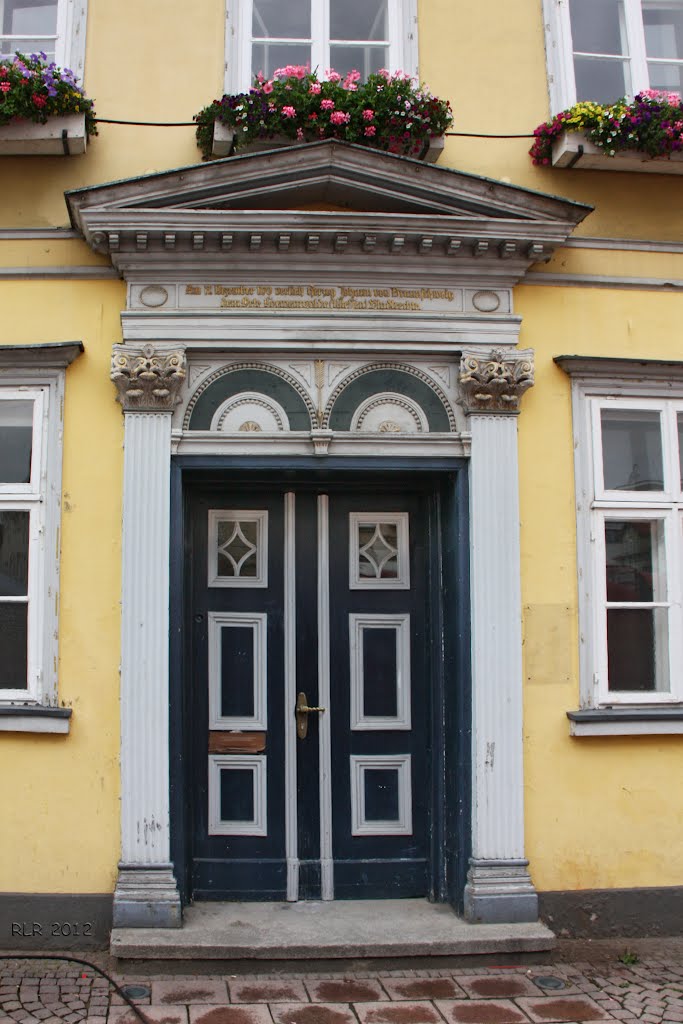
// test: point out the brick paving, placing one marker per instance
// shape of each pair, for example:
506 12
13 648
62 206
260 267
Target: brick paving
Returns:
54 992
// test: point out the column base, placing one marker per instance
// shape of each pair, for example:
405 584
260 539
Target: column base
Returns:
147 897
500 892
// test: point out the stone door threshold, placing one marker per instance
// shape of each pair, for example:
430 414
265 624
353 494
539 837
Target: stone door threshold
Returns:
344 929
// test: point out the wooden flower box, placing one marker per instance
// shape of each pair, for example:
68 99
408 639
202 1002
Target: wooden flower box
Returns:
224 138
573 150
60 136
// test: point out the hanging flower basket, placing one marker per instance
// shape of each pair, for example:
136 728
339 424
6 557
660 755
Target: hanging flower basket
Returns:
43 110
644 134
389 112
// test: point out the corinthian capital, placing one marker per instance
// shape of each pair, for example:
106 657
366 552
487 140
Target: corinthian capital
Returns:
148 379
495 381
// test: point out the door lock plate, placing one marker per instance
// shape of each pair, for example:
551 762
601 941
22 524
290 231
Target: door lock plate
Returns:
302 711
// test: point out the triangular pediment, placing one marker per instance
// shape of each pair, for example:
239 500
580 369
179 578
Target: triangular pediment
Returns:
326 174
331 191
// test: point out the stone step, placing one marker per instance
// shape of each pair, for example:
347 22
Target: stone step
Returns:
315 930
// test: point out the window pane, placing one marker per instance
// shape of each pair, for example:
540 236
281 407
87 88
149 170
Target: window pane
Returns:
266 58
33 45
358 19
378 551
13 646
29 18
668 77
13 554
634 553
663 24
238 548
598 26
631 450
601 79
273 19
365 59
16 438
637 645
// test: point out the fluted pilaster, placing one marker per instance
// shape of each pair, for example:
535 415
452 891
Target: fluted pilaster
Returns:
498 888
146 893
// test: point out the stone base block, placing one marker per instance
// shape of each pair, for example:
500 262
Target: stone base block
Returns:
147 898
500 892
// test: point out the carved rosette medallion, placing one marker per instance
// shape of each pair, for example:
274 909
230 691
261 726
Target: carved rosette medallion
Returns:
495 381
148 380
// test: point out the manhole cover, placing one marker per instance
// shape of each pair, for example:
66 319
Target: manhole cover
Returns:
550 981
135 991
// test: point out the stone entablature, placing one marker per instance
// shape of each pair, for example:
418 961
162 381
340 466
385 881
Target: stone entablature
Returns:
373 296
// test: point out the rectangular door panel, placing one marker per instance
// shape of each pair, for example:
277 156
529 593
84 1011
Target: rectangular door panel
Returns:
236 682
379 695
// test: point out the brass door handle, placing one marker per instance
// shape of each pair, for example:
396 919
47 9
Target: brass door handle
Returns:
302 711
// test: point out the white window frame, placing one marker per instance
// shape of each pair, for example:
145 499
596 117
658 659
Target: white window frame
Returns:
595 505
403 56
42 499
560 52
72 16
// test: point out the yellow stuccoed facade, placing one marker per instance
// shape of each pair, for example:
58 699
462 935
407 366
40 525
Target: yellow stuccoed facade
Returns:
600 812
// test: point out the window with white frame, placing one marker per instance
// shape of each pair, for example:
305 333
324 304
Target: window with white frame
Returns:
604 49
346 35
53 27
30 495
630 500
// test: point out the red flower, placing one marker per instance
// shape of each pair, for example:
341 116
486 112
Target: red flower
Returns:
39 101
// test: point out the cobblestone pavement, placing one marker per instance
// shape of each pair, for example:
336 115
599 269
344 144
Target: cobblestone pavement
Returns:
52 992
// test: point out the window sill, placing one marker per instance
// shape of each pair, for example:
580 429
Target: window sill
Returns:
61 136
34 718
573 150
224 137
635 721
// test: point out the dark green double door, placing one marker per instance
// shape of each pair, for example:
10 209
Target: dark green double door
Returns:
314 597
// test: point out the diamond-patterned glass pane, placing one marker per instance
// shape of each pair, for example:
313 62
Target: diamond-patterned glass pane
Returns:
378 551
237 549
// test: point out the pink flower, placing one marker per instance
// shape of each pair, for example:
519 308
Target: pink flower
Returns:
288 112
368 114
267 87
315 87
370 130
300 134
332 75
339 117
5 86
384 73
327 104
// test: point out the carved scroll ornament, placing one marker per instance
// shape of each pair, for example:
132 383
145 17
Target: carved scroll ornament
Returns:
148 380
495 382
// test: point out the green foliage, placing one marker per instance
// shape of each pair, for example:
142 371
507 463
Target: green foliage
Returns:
33 90
629 958
387 111
651 123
